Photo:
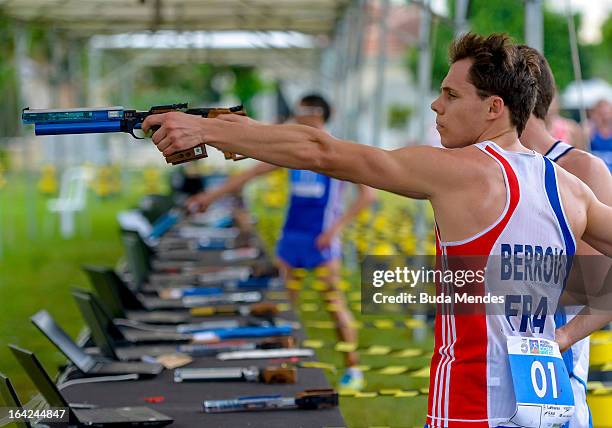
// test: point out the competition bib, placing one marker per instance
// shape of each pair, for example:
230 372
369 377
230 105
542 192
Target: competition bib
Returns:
307 184
544 396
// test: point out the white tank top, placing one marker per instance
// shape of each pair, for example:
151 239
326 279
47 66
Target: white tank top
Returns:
577 357
470 380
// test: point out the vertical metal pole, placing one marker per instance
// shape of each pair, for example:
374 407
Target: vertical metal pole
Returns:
75 72
424 82
424 69
461 11
348 47
576 66
534 24
344 77
338 83
354 95
57 78
424 90
75 77
360 28
379 94
21 51
94 98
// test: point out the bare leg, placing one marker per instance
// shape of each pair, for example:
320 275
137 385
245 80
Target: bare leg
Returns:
287 275
342 315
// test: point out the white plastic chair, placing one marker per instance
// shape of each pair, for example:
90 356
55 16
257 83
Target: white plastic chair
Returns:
72 198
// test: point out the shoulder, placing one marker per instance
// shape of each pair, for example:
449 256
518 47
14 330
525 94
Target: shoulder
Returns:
457 158
569 182
587 167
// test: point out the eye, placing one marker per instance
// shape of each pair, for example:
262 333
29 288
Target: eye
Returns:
451 95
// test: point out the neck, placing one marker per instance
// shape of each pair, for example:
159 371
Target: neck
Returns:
536 136
505 137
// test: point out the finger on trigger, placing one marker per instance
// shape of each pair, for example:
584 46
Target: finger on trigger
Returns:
152 120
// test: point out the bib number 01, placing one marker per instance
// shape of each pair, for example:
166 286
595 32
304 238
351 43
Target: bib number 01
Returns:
537 372
547 401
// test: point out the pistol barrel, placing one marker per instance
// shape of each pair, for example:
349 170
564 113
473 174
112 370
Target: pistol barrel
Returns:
77 128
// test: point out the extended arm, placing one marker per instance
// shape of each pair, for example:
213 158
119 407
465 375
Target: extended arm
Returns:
413 171
203 200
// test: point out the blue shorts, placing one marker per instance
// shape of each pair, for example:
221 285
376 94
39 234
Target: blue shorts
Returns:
299 250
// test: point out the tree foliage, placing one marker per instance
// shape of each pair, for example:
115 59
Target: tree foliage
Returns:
197 84
487 17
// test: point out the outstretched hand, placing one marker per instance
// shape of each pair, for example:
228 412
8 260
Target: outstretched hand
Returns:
177 131
325 238
199 202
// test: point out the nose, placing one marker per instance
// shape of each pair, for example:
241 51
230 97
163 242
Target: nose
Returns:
435 105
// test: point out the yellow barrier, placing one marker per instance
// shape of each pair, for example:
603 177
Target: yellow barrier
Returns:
47 185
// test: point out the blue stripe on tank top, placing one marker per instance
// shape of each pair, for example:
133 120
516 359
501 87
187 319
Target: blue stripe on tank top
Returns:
550 184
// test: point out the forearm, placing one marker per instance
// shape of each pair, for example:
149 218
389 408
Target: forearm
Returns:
232 185
290 146
235 183
364 200
582 325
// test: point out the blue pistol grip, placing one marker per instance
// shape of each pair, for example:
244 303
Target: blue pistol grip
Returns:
202 291
239 332
77 128
255 283
163 225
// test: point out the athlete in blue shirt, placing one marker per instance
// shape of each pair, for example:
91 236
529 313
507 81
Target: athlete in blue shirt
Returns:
314 219
601 134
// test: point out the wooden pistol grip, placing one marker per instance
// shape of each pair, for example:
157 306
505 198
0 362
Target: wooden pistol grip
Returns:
194 153
264 308
217 112
197 152
279 375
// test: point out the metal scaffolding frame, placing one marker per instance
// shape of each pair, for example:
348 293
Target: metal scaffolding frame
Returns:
338 23
335 61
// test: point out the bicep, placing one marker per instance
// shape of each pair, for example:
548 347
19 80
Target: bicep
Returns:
410 172
600 182
598 232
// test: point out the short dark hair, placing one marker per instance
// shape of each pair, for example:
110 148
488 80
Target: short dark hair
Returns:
499 69
546 82
315 100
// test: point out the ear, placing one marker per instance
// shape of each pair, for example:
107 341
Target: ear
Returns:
496 107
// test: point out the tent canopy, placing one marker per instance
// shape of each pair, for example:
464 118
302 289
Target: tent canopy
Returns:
87 17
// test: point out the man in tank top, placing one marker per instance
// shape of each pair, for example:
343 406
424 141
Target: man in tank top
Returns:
491 197
594 173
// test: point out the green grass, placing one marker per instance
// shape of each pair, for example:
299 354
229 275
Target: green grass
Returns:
38 268
379 410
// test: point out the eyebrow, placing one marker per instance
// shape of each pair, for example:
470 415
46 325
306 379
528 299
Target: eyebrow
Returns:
447 89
